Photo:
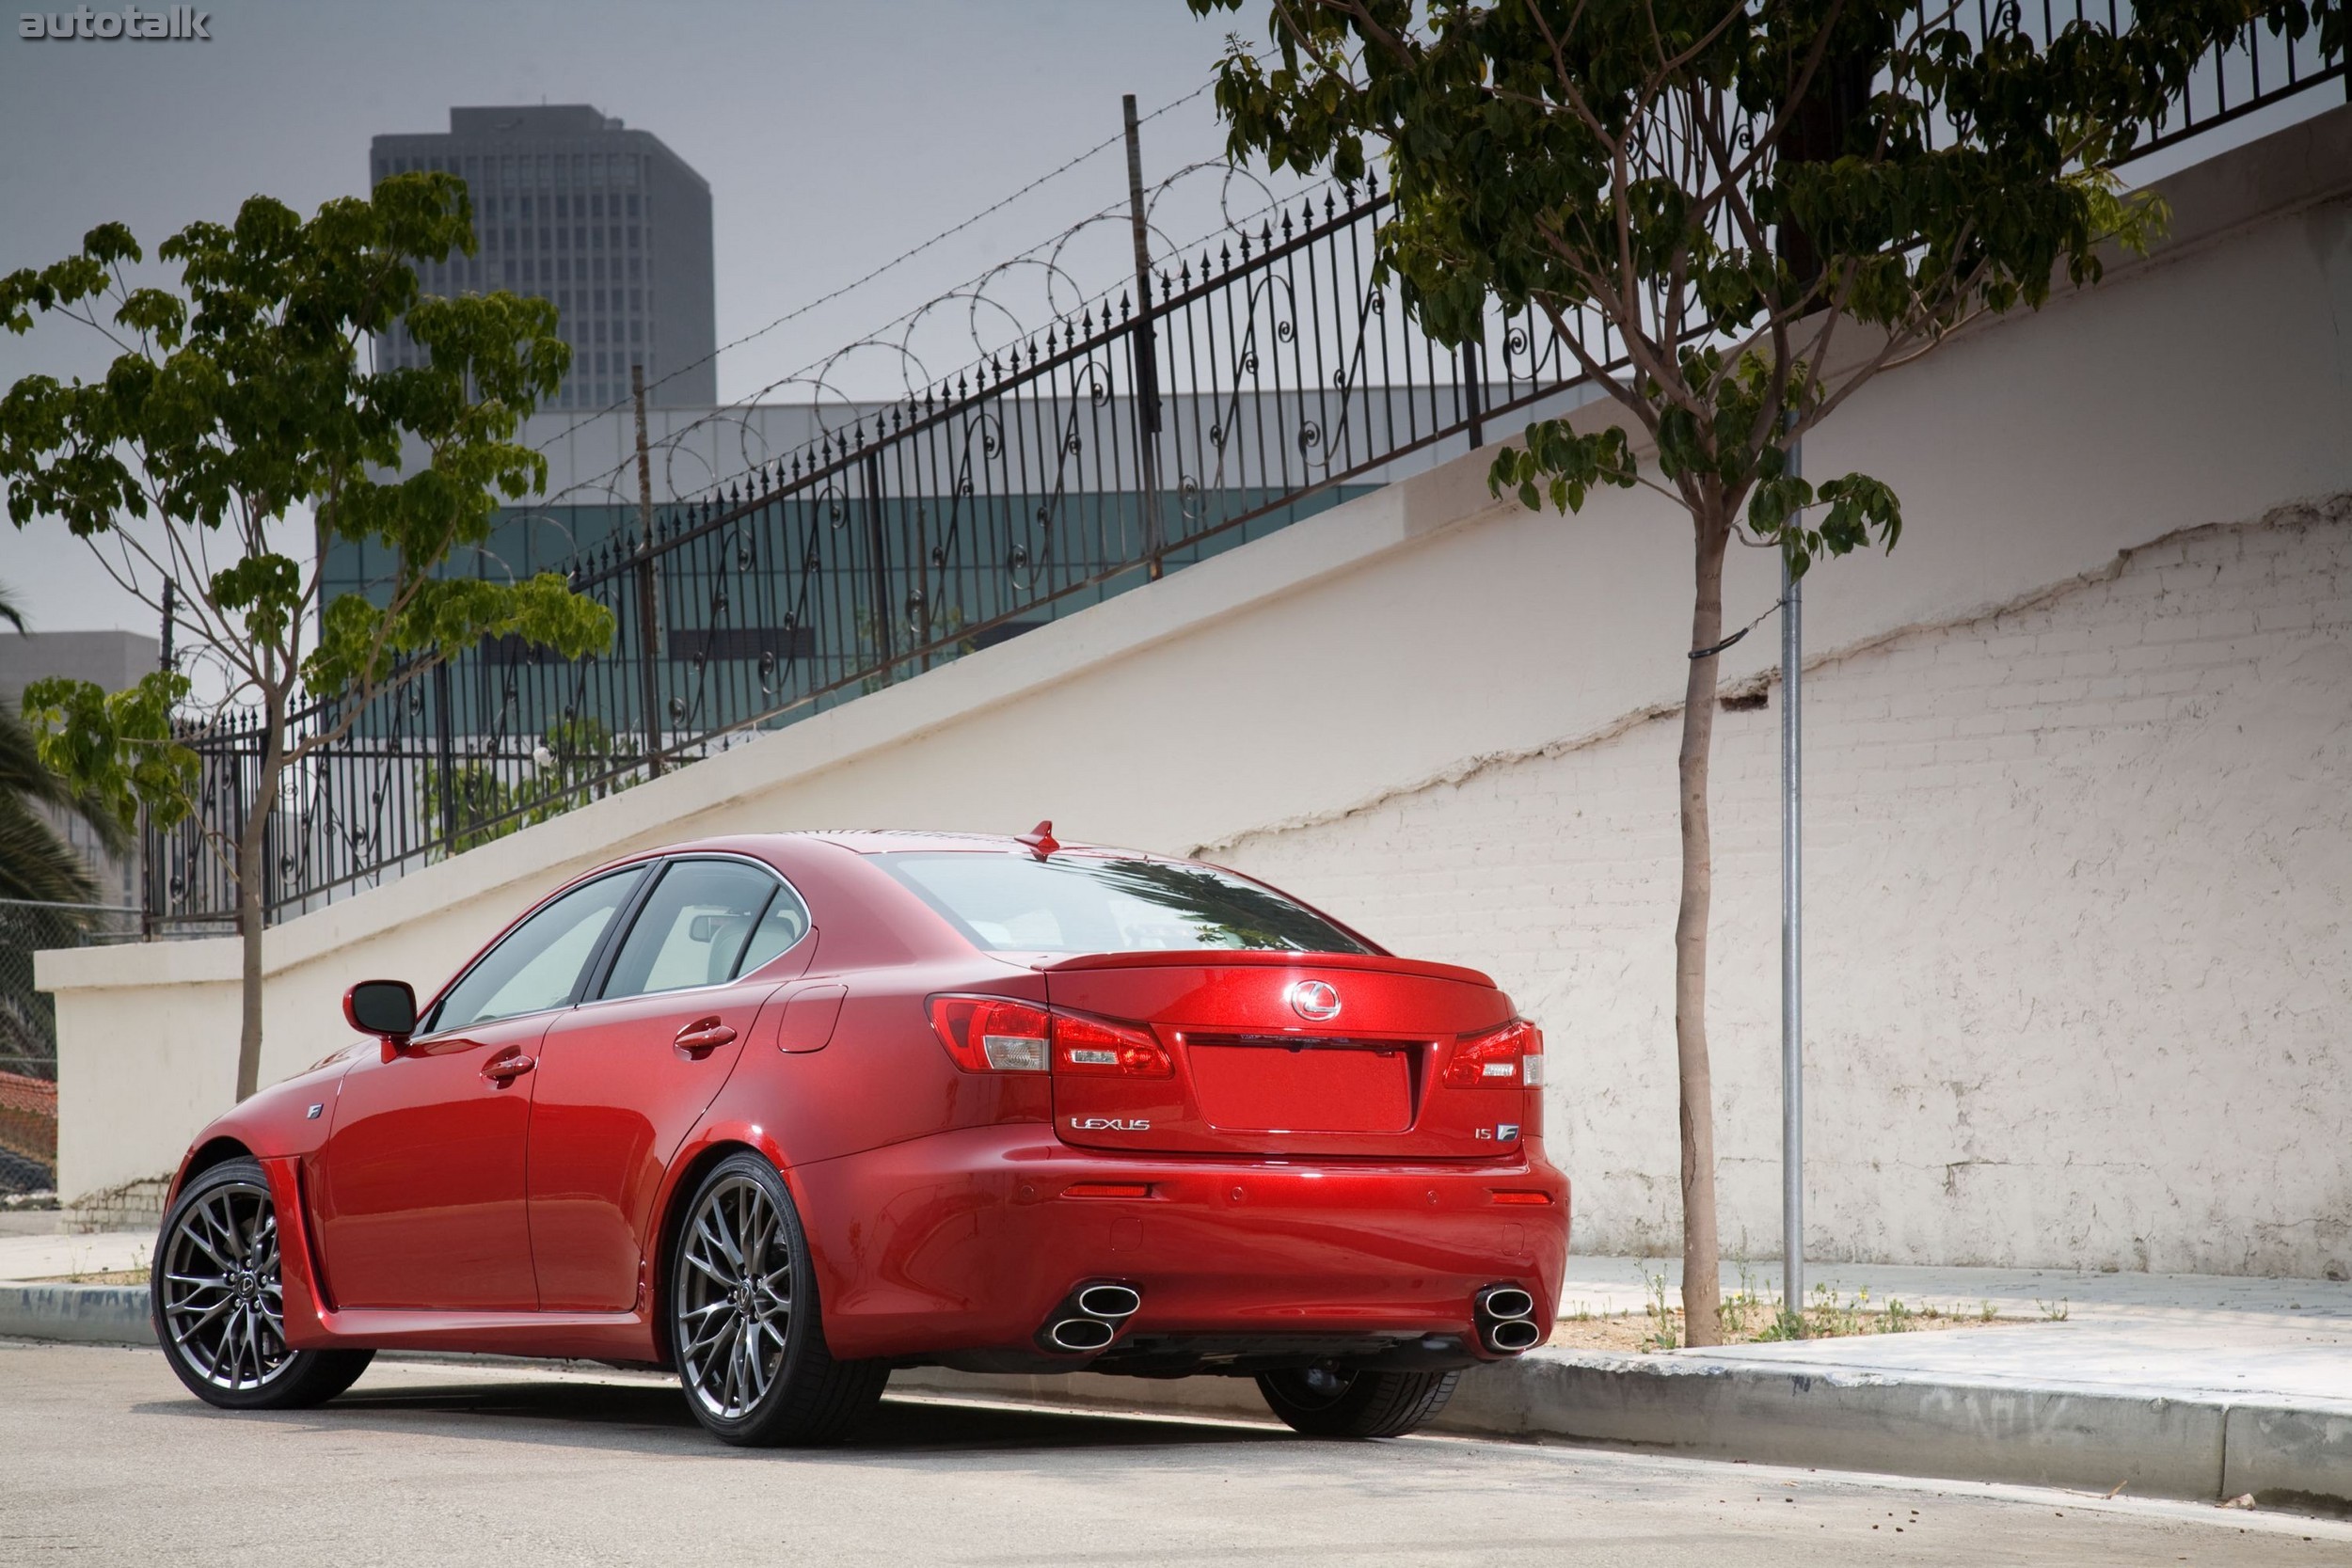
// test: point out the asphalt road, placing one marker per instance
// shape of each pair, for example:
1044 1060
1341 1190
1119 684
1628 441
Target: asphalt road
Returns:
104 1459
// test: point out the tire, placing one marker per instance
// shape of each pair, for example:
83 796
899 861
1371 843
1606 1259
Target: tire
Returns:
218 1301
745 1330
1338 1402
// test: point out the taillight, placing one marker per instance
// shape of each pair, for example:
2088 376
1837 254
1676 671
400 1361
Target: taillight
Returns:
1092 1045
1510 1058
993 1034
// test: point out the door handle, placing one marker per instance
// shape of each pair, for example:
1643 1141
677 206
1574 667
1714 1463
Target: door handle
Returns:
703 1034
507 1069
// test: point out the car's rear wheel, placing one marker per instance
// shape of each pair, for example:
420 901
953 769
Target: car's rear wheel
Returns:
218 1300
744 1325
1331 1400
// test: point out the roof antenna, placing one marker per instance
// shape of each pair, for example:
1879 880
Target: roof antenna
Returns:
1040 839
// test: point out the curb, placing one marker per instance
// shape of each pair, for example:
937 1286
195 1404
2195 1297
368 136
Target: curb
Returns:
2086 1439
89 1314
2155 1445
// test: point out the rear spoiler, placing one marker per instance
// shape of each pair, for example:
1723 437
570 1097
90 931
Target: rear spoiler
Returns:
1266 957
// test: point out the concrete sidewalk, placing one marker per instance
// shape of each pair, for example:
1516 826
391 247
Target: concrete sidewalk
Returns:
2178 1386
2191 1335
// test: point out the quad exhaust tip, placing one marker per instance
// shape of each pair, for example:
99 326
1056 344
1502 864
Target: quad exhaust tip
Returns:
1505 1316
1513 1334
1080 1334
1116 1303
1090 1316
1509 1301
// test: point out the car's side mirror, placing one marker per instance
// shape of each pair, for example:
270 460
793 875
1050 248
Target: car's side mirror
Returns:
386 1009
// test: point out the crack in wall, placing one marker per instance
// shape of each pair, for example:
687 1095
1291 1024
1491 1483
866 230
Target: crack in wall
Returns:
2333 510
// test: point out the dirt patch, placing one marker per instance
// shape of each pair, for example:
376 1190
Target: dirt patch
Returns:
1751 1322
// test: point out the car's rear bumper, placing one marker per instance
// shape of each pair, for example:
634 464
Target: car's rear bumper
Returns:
967 1241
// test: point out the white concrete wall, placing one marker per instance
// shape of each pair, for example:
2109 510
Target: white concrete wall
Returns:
1418 634
2077 927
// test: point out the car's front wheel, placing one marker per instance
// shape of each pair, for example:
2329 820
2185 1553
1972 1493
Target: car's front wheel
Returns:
1341 1401
743 1319
219 1304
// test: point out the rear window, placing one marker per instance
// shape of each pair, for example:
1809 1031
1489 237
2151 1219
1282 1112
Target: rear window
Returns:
1105 904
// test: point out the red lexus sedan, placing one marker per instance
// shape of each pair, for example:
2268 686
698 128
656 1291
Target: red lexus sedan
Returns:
782 1112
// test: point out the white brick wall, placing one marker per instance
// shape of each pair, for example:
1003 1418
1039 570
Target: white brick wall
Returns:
2079 969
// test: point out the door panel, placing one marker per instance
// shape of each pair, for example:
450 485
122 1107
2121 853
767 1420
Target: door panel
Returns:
422 1173
616 1095
422 1202
624 1079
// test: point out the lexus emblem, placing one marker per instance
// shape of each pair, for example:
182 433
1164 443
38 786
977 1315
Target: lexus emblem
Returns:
1316 1001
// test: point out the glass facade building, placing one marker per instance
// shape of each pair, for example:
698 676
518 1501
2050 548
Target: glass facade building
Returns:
607 222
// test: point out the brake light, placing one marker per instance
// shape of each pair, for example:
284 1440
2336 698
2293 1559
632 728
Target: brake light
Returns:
993 1034
1510 1058
1095 1046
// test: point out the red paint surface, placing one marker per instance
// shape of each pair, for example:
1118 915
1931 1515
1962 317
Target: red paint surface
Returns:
1294 1176
419 1188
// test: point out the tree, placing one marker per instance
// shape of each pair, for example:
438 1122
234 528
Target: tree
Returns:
37 865
242 412
1766 202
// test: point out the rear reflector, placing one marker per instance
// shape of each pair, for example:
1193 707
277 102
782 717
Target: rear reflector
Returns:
991 1034
1510 1058
995 1034
1107 1188
1505 1195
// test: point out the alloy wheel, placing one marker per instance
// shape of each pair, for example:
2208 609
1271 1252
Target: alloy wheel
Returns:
223 1303
734 1306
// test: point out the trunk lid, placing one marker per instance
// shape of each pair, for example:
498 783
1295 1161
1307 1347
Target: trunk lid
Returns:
1288 1054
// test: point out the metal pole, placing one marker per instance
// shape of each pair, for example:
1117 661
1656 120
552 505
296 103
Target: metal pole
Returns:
1146 347
648 599
1791 930
1475 389
878 545
150 842
445 754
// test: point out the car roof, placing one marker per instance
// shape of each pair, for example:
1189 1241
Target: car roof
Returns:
882 841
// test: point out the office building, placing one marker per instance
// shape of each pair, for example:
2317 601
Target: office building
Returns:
607 222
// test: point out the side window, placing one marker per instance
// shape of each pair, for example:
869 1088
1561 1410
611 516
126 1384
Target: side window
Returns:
694 927
785 922
538 964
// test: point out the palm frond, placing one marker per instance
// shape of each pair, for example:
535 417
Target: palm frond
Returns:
25 777
38 865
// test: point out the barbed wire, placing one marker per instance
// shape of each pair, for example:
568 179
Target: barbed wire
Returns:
1046 255
903 256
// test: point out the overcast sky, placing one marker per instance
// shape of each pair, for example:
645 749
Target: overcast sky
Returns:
834 135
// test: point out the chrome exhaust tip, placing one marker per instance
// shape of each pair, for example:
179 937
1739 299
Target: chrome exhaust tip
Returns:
1513 1335
1113 1302
1509 1301
1080 1334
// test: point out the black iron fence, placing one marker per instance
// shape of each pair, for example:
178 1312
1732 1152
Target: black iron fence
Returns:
1259 381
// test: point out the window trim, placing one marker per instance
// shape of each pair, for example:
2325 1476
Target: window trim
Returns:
596 955
599 968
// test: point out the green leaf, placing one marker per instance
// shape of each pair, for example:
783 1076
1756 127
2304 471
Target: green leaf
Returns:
118 751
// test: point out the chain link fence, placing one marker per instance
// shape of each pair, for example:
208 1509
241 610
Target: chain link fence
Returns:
28 1031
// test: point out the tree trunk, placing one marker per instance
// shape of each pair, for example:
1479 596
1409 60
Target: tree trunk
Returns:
1702 1282
253 870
